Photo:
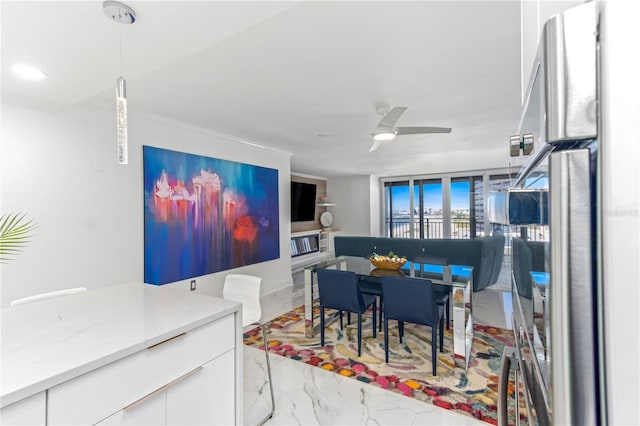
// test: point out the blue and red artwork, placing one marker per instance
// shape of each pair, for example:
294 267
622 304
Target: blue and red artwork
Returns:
204 215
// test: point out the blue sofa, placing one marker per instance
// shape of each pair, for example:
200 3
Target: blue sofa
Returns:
528 256
484 254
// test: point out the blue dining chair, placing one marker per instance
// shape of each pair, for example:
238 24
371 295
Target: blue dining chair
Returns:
373 286
441 292
340 290
412 300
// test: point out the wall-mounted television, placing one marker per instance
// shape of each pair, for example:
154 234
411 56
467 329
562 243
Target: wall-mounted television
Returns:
303 202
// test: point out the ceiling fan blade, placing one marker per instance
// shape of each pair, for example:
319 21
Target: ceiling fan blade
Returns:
376 145
419 130
390 118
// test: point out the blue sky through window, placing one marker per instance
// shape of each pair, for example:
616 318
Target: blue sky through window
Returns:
433 196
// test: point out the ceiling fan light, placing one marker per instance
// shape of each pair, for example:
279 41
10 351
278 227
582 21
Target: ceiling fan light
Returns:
384 134
29 72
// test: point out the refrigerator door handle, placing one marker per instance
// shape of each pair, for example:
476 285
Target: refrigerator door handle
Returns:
508 358
573 370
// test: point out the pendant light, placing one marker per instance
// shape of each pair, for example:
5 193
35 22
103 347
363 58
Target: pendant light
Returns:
121 14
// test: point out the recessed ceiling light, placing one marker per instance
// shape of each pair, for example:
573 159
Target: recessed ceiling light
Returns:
29 72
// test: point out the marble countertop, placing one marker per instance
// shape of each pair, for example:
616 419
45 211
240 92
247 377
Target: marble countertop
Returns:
49 342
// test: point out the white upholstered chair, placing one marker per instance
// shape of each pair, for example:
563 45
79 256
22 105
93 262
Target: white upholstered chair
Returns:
246 290
44 296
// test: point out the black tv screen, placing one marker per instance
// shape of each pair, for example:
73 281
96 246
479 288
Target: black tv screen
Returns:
303 202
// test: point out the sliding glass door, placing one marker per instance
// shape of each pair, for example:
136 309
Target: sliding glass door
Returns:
437 207
461 208
397 209
429 216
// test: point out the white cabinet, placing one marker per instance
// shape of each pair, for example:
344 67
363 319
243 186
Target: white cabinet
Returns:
310 246
150 411
323 242
29 411
133 387
326 242
197 398
534 15
203 398
128 354
530 34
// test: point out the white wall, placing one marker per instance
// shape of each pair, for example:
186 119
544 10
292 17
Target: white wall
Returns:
61 168
375 211
352 196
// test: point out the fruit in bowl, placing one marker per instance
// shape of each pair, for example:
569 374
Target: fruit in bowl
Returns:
391 261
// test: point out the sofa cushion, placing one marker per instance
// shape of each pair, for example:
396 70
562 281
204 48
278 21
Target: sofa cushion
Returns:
353 246
498 242
438 247
488 252
521 267
539 255
407 247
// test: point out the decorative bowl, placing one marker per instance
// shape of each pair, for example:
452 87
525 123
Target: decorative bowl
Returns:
388 264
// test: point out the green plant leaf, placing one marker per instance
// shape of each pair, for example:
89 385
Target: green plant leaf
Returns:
15 234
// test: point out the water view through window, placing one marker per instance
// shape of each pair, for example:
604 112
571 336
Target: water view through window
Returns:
429 217
451 207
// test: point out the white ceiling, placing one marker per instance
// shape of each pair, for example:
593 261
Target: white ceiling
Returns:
282 73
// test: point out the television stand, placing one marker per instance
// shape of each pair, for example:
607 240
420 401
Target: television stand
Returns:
310 247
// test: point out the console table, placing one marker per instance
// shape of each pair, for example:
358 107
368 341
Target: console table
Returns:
126 354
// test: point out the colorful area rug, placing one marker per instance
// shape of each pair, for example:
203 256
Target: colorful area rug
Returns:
472 393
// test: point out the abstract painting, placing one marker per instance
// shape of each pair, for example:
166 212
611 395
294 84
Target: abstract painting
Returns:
204 215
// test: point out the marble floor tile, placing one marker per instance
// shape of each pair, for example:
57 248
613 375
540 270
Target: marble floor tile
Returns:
307 395
256 396
279 302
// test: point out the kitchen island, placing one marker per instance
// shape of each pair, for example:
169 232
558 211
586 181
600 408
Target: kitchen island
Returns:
125 354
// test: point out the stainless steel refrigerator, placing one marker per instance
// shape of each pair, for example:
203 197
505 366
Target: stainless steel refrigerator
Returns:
552 210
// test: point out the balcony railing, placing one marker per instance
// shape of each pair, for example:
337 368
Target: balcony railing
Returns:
432 228
460 228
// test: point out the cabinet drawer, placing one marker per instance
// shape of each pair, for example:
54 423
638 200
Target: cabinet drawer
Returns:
206 398
96 395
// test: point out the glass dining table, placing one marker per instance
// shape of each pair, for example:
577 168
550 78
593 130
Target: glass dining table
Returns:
457 279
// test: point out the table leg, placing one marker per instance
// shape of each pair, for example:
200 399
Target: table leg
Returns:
308 303
457 295
462 325
469 317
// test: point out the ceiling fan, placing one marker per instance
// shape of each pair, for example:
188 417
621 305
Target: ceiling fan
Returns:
386 130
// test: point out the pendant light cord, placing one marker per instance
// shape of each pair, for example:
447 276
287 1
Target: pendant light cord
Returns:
120 35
